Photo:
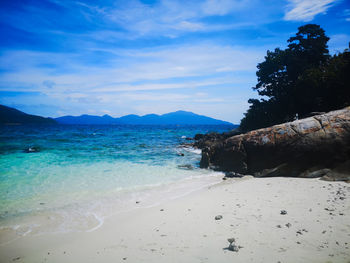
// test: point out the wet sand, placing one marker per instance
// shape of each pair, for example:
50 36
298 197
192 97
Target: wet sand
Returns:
315 227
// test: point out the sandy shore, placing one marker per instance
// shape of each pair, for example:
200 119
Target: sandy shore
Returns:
316 227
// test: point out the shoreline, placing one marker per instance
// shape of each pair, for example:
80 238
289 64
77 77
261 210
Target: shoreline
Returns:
87 216
316 227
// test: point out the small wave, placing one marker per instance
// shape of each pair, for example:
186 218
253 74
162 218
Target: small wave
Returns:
100 223
193 150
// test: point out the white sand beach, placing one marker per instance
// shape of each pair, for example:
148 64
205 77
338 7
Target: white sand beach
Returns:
316 227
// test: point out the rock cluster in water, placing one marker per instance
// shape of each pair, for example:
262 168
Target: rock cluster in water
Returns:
318 146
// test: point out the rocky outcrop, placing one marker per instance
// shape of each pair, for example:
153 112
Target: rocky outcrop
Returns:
312 147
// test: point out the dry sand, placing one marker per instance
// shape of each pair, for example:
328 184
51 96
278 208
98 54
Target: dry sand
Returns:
316 227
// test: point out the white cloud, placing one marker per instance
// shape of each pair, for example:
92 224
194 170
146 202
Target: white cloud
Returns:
306 10
143 66
149 80
222 7
171 18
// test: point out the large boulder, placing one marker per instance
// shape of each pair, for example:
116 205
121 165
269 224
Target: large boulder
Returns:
305 148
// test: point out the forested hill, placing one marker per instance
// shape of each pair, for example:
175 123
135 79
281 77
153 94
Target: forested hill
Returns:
299 81
10 116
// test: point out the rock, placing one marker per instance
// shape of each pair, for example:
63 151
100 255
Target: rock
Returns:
318 146
199 136
233 247
283 212
205 161
231 240
181 154
218 217
288 225
233 175
185 166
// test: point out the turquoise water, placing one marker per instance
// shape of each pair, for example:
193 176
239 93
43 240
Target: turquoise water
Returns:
61 178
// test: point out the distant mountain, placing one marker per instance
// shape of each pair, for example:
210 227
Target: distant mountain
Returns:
178 117
10 115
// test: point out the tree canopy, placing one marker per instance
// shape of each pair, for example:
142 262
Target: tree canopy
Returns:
301 79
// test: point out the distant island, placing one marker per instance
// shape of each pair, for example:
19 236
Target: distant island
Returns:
176 118
13 116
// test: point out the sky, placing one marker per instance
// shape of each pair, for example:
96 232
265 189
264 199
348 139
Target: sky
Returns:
148 56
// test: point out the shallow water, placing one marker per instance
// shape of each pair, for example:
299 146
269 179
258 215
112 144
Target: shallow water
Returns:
69 178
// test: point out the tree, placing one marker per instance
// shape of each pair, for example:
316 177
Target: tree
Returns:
284 77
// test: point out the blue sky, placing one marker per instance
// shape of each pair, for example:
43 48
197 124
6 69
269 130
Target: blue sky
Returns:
139 57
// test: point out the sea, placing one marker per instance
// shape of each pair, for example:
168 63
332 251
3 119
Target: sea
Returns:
64 178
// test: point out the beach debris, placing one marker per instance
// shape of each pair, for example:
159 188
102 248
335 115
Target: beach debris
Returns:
218 217
180 154
283 212
161 210
124 258
137 202
232 246
41 203
288 225
15 259
32 150
279 226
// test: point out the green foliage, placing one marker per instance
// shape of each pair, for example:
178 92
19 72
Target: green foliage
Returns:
301 79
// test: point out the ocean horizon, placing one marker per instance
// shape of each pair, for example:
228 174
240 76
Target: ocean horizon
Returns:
61 178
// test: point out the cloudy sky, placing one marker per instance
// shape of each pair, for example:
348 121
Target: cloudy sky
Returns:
148 56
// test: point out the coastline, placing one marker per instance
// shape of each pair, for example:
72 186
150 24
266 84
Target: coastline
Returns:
315 229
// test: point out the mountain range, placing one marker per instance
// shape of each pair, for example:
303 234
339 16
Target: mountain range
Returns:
178 117
13 116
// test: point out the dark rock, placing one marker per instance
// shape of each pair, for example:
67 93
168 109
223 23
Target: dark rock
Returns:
233 175
205 161
185 166
218 217
181 154
283 212
233 247
317 146
198 136
231 240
